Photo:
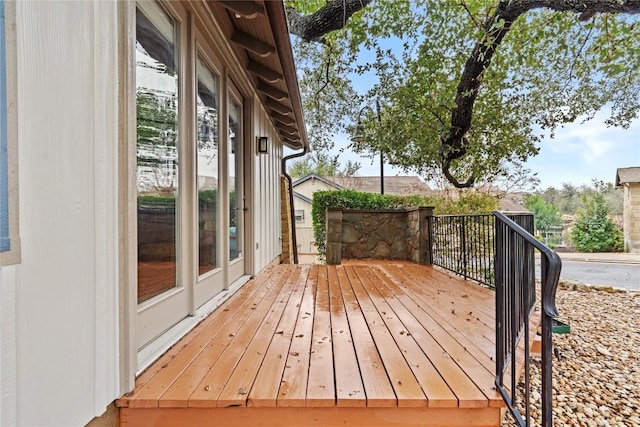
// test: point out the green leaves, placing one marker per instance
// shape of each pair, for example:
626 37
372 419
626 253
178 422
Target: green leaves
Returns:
467 203
549 69
545 215
594 231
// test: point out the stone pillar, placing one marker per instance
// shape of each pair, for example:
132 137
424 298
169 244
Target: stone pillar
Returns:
425 241
334 236
285 215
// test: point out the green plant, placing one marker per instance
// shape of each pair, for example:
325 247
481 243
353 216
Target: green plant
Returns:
545 215
467 203
593 231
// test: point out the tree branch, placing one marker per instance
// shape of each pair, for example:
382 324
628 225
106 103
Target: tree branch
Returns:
453 145
332 17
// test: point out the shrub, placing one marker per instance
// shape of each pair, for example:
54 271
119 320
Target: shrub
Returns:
467 203
593 231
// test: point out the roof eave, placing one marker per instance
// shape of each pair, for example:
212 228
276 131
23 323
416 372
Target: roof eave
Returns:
278 22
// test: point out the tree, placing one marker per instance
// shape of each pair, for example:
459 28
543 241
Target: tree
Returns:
545 215
473 78
593 231
322 164
569 198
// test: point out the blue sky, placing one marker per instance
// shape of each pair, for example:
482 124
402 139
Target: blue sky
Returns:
578 153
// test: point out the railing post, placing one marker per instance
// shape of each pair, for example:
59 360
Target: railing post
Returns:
500 308
426 233
463 247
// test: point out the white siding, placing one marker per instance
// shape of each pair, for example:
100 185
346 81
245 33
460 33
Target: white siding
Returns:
66 312
266 192
59 314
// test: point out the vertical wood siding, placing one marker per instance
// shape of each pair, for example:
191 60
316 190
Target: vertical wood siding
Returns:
66 287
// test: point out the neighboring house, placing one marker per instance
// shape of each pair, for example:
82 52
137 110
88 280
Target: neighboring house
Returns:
307 185
109 253
303 190
629 180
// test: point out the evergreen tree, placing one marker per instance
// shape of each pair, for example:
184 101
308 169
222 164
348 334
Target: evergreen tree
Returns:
594 231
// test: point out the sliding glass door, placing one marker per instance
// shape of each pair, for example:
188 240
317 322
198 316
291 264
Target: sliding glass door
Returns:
189 178
235 186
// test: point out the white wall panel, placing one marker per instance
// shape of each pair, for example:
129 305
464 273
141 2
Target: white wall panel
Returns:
8 346
66 287
266 196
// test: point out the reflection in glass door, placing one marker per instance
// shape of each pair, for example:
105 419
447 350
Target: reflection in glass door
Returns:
235 181
157 150
207 167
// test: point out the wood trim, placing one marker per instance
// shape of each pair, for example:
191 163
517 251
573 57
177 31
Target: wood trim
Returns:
278 107
128 224
272 92
287 129
252 44
264 72
285 120
246 9
287 417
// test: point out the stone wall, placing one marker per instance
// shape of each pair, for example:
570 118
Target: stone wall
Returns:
285 216
376 234
632 217
420 235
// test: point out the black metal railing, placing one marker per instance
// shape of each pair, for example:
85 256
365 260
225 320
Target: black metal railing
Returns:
515 300
498 251
464 244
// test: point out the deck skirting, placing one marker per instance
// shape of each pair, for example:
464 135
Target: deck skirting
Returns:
298 417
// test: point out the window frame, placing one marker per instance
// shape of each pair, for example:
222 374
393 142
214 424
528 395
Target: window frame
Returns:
10 252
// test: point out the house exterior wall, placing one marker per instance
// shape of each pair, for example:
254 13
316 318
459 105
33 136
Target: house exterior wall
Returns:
304 229
61 302
310 186
265 217
632 217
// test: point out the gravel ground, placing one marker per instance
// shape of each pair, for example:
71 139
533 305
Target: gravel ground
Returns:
597 375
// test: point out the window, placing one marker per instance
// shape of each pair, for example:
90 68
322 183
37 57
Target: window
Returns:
157 149
9 237
299 215
207 167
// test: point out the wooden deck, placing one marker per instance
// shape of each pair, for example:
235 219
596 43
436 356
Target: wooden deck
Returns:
363 343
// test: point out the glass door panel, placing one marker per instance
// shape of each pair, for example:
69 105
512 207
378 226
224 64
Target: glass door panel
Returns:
207 167
235 180
157 150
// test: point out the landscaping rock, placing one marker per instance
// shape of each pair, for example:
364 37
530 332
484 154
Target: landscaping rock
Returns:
597 378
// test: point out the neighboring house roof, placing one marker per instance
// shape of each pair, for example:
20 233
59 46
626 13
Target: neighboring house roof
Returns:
301 197
627 175
513 202
393 185
326 180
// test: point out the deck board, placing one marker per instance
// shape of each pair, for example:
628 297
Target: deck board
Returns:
293 389
382 336
377 385
438 391
321 382
259 323
268 379
349 387
431 335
